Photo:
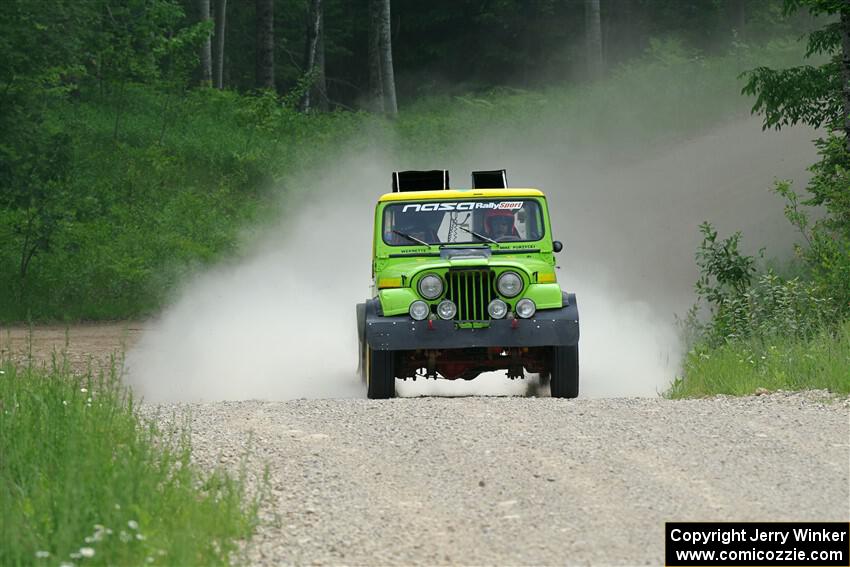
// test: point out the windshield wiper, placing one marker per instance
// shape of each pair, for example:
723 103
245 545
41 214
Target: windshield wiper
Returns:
481 236
413 238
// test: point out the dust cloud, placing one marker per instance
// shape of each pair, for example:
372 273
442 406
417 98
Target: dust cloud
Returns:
279 323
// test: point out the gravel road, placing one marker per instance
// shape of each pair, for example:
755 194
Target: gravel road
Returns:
521 480
502 481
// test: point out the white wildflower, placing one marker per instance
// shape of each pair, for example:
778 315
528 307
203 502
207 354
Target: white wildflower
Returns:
64 402
87 551
118 506
133 525
2 372
89 539
140 537
124 536
148 559
75 555
66 564
42 554
84 390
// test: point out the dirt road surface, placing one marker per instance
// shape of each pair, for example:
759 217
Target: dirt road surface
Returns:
84 345
511 481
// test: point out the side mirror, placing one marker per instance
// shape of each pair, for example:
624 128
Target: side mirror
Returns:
557 246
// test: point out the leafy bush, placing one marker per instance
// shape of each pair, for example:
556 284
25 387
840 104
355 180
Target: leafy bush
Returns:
742 305
826 255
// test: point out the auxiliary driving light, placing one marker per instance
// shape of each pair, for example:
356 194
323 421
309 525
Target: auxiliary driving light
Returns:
497 309
509 284
431 286
446 310
525 308
419 310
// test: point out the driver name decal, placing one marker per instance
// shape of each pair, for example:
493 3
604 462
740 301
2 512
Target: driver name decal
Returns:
466 206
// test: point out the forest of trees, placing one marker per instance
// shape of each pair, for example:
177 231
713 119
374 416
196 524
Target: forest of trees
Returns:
355 54
121 119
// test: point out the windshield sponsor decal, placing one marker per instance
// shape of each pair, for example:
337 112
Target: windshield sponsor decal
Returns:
466 206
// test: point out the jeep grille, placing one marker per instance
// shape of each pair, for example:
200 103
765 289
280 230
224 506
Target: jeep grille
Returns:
471 291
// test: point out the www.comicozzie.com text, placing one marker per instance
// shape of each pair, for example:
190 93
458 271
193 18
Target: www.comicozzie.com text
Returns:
743 534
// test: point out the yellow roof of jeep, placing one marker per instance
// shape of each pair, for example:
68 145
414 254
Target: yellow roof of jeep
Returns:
459 194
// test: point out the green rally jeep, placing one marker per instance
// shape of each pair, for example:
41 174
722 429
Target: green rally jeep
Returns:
463 283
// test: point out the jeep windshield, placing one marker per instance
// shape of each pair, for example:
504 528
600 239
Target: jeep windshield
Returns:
478 221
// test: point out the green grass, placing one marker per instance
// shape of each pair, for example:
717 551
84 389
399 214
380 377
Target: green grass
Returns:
739 368
82 473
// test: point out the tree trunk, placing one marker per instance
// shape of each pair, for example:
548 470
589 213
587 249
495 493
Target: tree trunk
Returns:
314 59
376 90
218 52
386 46
206 57
593 37
321 84
845 69
265 44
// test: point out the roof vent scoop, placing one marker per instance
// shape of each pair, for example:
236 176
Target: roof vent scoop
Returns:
436 179
496 179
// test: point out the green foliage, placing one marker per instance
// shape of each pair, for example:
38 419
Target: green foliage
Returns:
161 181
813 95
776 332
741 307
808 94
82 473
827 254
774 362
724 271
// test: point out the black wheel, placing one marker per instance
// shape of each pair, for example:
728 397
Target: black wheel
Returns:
564 380
380 374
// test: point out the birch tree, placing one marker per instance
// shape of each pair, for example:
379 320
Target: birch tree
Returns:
376 87
218 52
206 57
386 49
381 76
314 59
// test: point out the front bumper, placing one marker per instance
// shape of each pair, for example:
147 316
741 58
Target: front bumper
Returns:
549 327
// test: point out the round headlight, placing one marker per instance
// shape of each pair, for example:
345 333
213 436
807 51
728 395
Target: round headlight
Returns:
430 287
419 310
509 284
446 310
497 309
525 308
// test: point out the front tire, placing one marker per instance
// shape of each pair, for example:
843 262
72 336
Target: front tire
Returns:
564 380
380 374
